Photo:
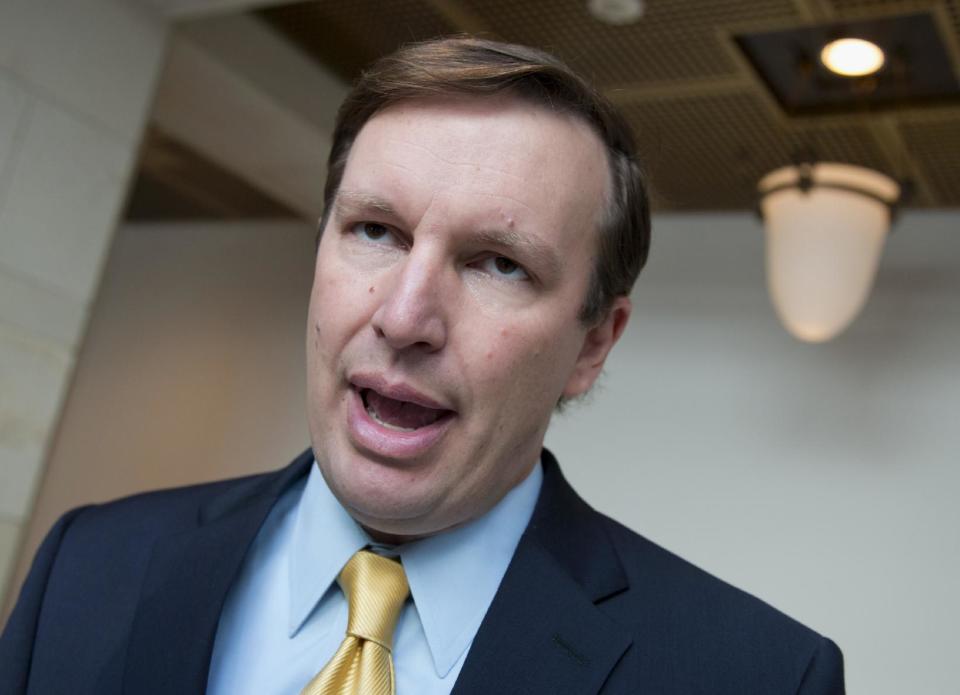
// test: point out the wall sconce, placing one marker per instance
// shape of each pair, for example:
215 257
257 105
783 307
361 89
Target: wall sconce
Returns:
825 227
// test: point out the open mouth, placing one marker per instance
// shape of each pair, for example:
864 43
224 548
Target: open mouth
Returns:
401 416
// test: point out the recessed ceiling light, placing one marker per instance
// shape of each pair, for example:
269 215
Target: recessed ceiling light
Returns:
616 12
852 57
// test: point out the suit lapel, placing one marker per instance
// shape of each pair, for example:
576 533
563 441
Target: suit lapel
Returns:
544 632
187 582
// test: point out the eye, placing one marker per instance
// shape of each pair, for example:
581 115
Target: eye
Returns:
373 232
503 267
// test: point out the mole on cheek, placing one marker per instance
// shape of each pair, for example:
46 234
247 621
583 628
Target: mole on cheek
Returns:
371 290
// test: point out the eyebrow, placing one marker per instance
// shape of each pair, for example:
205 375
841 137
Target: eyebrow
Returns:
354 201
541 255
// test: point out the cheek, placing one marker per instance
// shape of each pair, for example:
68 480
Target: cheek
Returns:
341 300
520 365
526 342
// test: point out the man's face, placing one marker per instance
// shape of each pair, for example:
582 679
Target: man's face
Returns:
443 321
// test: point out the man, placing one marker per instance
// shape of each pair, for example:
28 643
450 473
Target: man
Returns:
485 221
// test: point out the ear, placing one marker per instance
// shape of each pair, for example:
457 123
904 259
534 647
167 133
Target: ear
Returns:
597 344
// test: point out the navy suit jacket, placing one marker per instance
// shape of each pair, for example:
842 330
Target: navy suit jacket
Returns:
125 598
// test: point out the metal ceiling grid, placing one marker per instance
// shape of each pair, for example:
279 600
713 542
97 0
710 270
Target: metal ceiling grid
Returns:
946 10
709 152
707 126
675 40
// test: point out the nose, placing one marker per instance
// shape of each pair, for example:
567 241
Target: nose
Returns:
412 312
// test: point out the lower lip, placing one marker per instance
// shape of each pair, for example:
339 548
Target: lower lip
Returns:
370 435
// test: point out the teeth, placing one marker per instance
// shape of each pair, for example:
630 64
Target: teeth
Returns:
373 413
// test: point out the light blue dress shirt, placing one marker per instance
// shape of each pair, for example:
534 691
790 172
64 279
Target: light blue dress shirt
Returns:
285 615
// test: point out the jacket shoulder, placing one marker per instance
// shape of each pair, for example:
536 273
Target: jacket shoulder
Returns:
77 606
147 514
103 550
142 517
689 622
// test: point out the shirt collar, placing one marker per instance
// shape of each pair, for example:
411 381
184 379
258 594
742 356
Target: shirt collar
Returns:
324 538
453 575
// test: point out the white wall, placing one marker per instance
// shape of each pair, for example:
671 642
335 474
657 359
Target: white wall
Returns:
822 478
76 77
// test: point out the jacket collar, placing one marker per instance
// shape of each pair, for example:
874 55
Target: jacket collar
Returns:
544 632
187 581
571 532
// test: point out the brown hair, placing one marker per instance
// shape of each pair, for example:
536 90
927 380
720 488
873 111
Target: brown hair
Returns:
465 65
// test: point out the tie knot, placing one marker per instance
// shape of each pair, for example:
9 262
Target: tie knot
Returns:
376 588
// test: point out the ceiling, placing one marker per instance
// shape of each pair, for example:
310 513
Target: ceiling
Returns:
174 182
707 125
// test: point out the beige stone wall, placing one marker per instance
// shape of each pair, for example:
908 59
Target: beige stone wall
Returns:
192 366
76 81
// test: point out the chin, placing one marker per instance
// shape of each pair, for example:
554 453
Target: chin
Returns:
395 520
380 496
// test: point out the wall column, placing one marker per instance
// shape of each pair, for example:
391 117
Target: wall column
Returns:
76 82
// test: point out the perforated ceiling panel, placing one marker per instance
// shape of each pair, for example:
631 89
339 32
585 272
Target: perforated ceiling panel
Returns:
727 143
707 126
645 51
936 143
346 36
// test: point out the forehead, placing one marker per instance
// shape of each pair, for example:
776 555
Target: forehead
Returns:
498 155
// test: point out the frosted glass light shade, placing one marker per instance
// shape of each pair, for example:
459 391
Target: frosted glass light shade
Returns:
823 244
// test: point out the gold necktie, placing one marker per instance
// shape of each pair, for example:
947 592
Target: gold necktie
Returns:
376 589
